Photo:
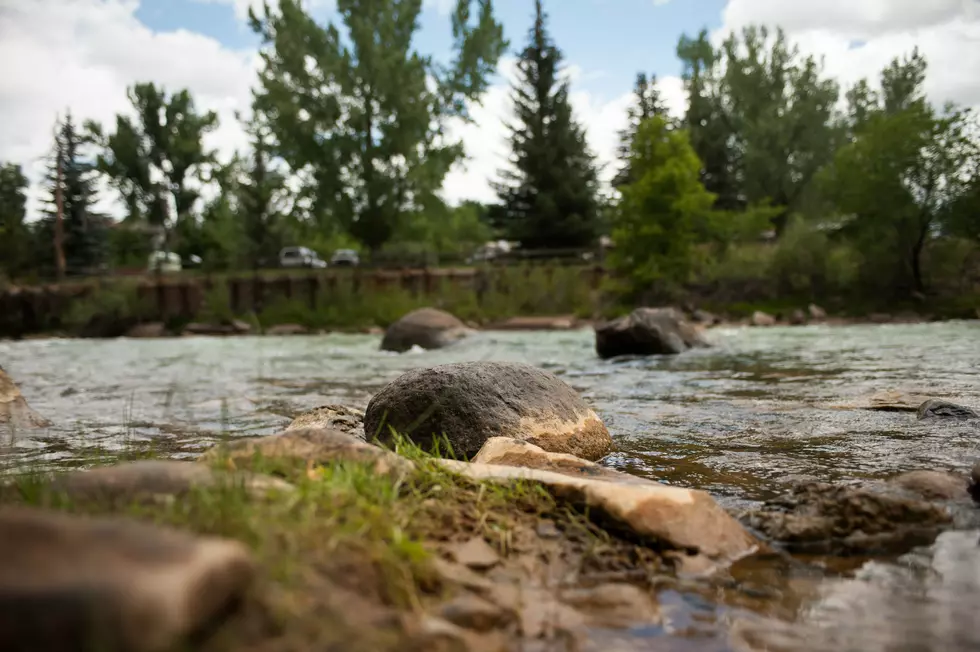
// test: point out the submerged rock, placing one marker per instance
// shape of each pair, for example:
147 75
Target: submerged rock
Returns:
684 519
471 402
332 417
934 485
71 582
936 409
427 328
835 519
647 331
308 445
15 413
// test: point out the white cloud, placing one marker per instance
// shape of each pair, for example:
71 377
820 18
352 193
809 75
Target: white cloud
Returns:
83 54
857 38
241 7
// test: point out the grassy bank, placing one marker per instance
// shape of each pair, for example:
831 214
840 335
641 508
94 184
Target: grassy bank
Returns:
348 559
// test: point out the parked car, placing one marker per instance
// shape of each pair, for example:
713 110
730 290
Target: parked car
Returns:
300 257
345 258
164 262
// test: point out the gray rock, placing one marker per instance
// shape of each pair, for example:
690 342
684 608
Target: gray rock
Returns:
473 612
840 519
72 583
471 402
816 312
427 328
15 413
647 331
332 417
760 318
933 485
935 409
148 329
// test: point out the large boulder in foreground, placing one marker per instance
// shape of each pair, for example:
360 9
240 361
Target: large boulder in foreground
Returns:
71 583
427 328
471 402
647 331
15 413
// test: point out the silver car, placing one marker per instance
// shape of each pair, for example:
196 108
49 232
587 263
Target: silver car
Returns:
300 257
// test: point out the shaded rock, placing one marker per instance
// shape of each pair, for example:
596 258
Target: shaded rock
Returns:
471 402
427 328
15 413
151 480
660 514
332 417
647 331
473 612
148 329
230 327
310 445
825 518
885 401
613 605
67 582
816 312
933 485
705 317
514 452
760 318
475 553
438 635
797 317
935 409
975 473
287 329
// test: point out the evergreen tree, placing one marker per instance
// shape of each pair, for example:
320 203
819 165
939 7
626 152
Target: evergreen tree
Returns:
258 198
14 234
549 198
85 236
646 104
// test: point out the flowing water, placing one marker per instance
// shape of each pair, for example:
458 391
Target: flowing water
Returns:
759 409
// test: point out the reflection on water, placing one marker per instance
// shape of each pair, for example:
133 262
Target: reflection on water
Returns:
737 420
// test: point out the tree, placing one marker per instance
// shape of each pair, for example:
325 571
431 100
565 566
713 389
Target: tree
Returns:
361 115
706 120
14 234
906 174
85 242
646 104
259 202
549 198
152 160
661 216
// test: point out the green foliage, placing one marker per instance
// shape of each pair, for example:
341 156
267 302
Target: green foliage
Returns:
549 199
903 175
152 161
358 111
15 256
106 310
661 214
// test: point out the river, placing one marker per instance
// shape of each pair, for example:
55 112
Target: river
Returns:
762 407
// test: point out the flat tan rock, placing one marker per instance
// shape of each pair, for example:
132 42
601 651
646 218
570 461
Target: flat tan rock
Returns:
154 480
682 518
15 413
68 581
514 452
475 553
313 445
886 401
613 605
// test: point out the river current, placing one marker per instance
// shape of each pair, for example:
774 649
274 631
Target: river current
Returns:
761 408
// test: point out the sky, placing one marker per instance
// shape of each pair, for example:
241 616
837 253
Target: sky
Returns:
83 54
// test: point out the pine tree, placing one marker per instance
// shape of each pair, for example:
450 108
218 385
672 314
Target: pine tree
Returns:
549 199
85 236
646 104
257 202
14 234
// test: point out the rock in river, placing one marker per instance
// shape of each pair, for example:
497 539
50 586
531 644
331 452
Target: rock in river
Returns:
647 331
75 583
471 402
426 327
15 413
935 409
332 417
